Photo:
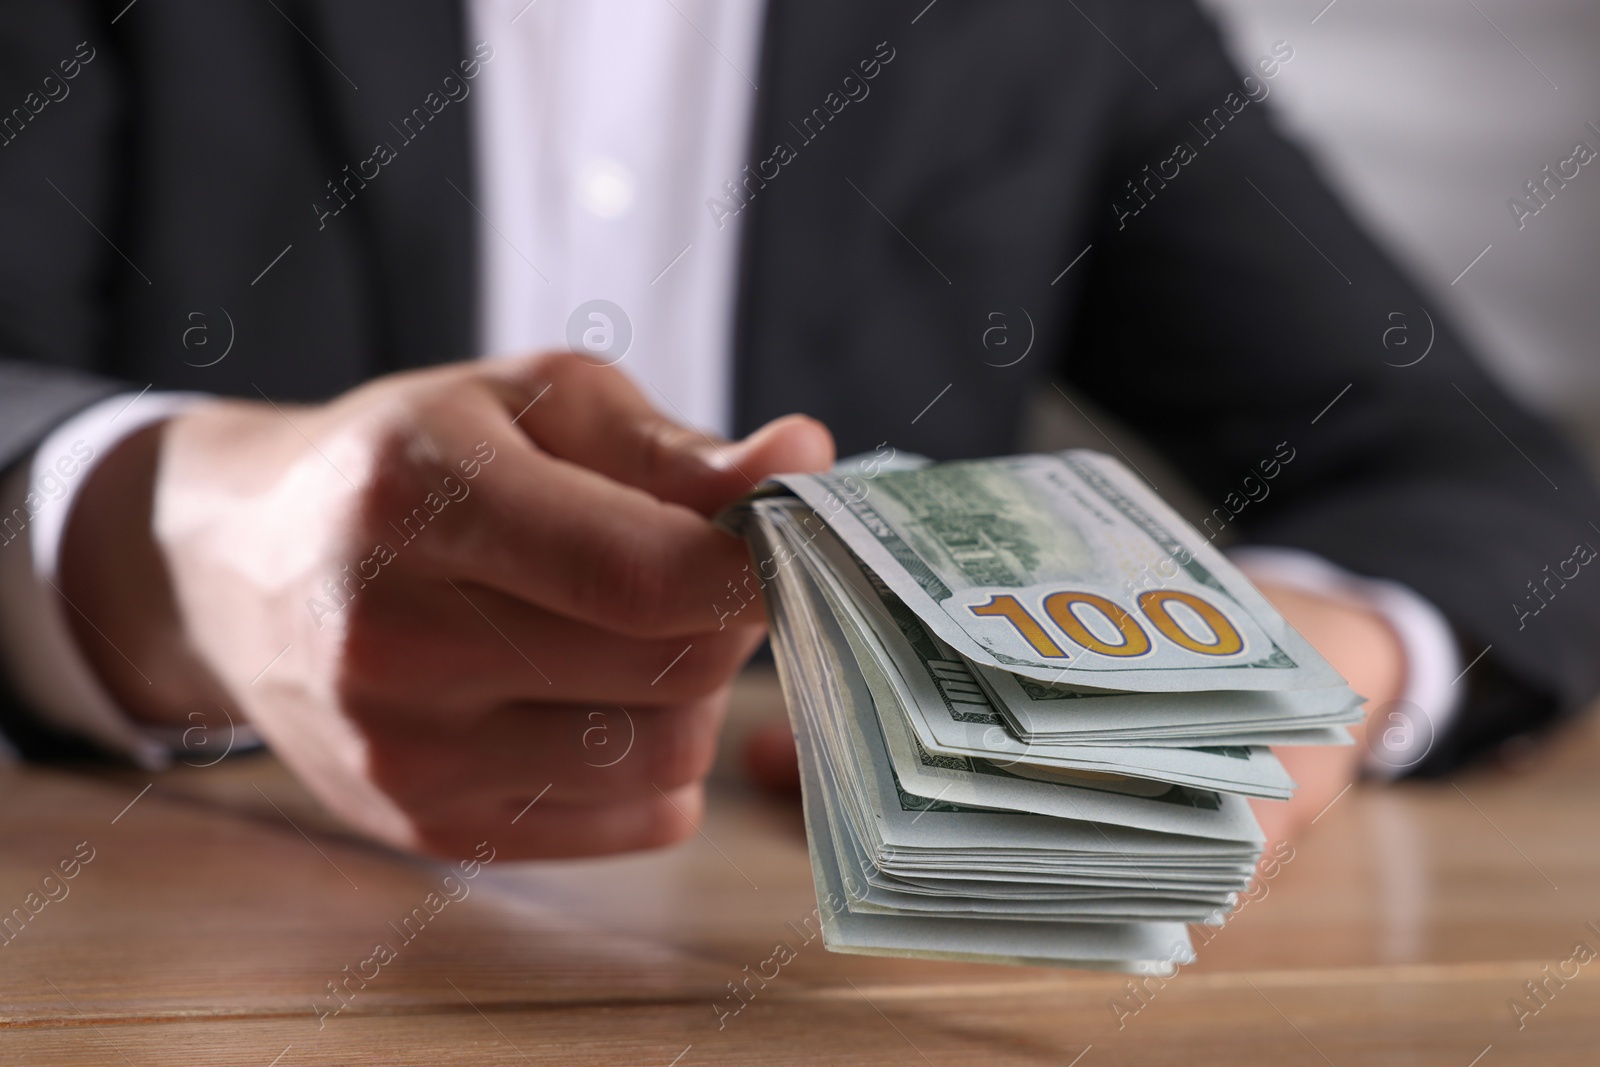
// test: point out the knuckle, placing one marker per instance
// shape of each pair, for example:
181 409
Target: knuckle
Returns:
386 485
556 367
400 460
365 662
537 366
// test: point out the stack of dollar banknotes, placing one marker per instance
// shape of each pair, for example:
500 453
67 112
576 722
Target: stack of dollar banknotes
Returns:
1030 702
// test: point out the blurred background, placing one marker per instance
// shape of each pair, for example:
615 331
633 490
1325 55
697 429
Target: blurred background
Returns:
1429 116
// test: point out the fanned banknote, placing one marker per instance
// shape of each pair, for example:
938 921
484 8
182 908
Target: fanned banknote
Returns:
1029 702
1065 569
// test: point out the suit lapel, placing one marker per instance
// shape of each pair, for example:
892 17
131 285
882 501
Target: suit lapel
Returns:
878 258
398 126
807 47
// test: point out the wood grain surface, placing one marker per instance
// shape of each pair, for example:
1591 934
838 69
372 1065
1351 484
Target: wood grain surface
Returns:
220 903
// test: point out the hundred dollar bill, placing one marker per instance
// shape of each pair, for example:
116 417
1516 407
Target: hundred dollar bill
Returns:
1111 887
1036 711
1065 569
954 715
923 669
890 696
1140 947
992 670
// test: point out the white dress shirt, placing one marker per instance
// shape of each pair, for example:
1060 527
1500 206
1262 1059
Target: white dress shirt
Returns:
602 128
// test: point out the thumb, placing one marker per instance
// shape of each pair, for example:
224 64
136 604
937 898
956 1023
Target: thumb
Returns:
788 445
598 419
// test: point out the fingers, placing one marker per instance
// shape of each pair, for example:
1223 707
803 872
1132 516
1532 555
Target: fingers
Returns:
593 550
543 551
598 418
548 532
566 754
458 646
791 444
1277 820
550 780
565 499
1321 774
559 831
770 758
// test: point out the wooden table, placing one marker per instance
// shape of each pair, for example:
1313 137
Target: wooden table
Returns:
219 904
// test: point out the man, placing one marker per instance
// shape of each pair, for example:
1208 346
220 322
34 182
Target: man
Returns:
421 590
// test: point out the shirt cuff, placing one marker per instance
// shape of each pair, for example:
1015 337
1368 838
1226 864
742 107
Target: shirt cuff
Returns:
1429 701
37 645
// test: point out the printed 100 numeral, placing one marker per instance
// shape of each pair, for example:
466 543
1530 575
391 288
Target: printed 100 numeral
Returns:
1061 608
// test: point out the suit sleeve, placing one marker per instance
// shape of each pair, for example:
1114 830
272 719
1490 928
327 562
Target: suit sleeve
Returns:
1236 315
60 103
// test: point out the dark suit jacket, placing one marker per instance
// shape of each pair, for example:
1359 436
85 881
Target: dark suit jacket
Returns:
1225 301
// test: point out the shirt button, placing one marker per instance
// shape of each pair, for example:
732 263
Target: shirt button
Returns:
605 188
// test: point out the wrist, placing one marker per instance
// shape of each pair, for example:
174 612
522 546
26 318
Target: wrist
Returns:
120 602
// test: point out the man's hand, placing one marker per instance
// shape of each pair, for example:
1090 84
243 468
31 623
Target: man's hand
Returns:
1365 649
429 594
